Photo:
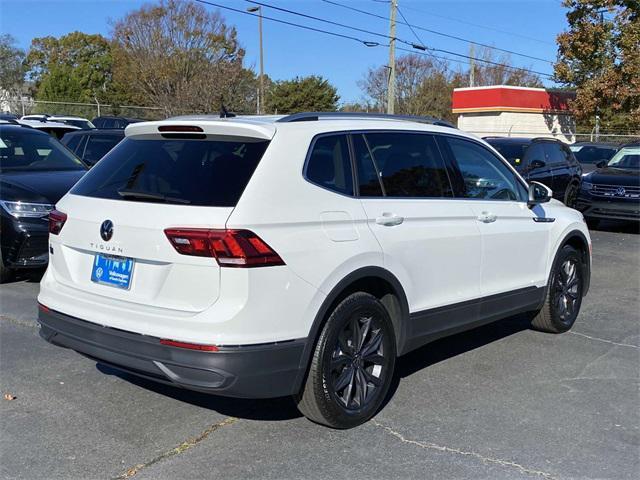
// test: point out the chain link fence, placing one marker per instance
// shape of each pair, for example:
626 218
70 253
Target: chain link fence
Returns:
86 110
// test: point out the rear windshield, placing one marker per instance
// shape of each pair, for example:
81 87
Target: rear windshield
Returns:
210 173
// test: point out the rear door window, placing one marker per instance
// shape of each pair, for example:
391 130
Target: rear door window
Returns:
409 165
329 164
211 173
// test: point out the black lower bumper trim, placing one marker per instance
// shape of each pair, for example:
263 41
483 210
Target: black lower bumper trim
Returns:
251 371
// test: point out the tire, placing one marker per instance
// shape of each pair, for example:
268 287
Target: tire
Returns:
6 274
563 297
592 223
352 364
571 195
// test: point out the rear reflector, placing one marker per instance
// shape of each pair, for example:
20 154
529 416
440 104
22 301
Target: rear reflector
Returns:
179 128
231 248
44 308
56 221
190 346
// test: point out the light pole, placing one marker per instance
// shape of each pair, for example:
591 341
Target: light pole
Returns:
261 94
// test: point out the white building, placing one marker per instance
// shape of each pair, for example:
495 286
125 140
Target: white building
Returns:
503 110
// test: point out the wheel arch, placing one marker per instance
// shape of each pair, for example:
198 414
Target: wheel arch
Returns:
578 240
376 281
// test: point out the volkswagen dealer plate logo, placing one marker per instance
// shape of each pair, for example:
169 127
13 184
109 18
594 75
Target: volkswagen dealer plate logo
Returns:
621 191
106 230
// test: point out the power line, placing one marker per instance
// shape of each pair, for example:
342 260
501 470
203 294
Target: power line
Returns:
306 27
338 24
367 43
442 34
410 27
498 64
478 25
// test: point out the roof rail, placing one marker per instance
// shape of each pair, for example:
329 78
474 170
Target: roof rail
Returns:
313 116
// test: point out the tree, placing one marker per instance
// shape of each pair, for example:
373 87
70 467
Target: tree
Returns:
11 70
75 67
599 56
423 86
492 69
183 58
302 94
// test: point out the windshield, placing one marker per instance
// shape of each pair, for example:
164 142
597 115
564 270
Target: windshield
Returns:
627 157
23 149
513 152
211 173
84 124
592 154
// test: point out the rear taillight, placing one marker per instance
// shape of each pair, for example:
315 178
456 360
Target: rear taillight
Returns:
231 248
189 346
56 221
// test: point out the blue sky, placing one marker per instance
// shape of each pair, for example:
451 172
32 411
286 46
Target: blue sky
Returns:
531 25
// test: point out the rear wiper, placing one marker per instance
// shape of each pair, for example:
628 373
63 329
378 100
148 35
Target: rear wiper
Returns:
124 193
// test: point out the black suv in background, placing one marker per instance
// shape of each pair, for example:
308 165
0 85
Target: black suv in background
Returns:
543 160
114 122
613 190
92 145
35 172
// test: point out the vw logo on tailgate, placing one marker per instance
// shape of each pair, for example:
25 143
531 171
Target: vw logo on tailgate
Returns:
106 230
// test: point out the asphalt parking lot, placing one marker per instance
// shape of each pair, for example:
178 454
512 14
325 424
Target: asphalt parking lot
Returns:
497 402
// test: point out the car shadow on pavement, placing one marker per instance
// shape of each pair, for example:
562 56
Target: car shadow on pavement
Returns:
284 408
272 409
454 345
29 276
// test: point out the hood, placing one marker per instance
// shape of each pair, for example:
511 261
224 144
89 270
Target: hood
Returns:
614 176
38 187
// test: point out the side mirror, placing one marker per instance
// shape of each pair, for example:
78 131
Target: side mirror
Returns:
537 164
538 193
601 164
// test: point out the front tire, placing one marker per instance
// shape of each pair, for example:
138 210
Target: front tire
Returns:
571 195
6 274
564 293
352 364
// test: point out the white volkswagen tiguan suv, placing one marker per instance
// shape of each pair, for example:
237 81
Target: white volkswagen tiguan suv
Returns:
301 255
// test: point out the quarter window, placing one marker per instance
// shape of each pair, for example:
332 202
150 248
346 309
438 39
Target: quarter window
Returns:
409 165
329 165
484 175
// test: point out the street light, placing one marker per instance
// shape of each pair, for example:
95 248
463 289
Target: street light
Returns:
261 93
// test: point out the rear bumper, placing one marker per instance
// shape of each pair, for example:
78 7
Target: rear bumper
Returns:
618 209
251 371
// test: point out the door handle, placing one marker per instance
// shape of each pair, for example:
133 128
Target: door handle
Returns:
486 217
389 219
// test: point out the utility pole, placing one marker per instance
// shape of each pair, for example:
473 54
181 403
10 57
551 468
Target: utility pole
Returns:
261 94
391 89
472 65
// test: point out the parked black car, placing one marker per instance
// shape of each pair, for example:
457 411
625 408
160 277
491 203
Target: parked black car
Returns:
613 190
543 160
92 145
114 122
35 172
591 153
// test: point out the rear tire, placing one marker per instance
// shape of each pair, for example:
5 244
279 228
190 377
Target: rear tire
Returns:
6 274
352 364
563 297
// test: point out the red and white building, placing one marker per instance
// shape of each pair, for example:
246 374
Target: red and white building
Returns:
503 110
